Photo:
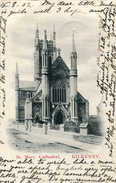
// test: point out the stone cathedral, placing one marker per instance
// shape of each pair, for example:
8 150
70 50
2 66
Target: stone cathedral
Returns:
53 96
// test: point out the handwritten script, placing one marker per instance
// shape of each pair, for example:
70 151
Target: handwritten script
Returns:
106 78
2 64
26 170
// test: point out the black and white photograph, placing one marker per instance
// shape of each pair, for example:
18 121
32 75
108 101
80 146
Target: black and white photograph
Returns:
56 102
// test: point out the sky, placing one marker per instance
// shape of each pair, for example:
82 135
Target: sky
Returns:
20 49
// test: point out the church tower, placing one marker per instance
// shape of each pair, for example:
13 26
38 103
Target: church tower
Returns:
17 94
73 82
45 81
37 61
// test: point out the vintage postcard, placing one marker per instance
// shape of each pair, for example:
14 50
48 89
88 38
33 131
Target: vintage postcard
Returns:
57 91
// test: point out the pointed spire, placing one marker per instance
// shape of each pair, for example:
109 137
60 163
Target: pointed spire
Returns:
45 41
73 43
16 78
54 28
16 68
37 32
54 33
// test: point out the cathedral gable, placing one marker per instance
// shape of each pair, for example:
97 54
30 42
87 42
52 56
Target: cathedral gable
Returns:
60 68
60 74
59 77
59 82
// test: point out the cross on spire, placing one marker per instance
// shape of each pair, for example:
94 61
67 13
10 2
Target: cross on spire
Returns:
59 50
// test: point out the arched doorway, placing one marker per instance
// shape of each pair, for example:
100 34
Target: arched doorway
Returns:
58 118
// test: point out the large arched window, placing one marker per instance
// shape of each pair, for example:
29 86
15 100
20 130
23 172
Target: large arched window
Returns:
59 94
59 91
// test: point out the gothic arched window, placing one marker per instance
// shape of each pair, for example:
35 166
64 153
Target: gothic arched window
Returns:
59 91
59 95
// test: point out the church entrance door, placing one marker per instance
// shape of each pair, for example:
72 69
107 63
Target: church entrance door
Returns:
59 118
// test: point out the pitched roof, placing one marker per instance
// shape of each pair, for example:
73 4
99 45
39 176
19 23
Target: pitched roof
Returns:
60 61
27 85
38 90
80 97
